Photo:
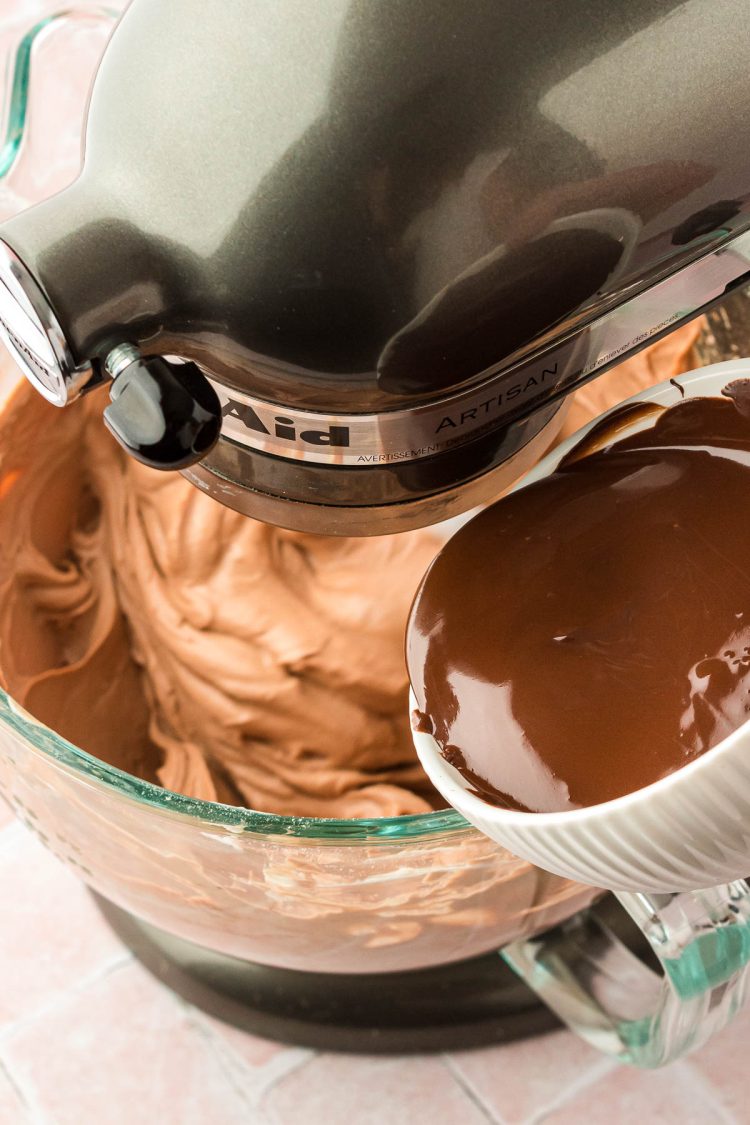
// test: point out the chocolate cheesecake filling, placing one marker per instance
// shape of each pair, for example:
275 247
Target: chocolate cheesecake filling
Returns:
590 633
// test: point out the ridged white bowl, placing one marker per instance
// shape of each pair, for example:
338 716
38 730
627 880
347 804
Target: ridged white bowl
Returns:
688 831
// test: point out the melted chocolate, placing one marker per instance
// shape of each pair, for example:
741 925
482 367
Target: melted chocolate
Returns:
590 634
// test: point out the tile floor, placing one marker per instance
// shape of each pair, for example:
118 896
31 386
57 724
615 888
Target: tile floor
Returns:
89 1037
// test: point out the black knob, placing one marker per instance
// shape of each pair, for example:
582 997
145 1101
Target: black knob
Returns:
166 415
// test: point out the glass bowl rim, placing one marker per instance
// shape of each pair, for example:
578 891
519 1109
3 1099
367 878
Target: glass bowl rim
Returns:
395 829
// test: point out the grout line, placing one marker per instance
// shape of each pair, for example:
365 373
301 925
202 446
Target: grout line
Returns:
31 1112
471 1091
27 1095
293 1065
725 1115
588 1078
261 1079
118 961
222 1055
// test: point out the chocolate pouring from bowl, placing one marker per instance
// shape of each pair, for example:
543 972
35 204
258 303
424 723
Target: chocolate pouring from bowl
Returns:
690 829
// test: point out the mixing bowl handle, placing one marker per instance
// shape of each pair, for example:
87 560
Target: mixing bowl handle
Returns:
594 982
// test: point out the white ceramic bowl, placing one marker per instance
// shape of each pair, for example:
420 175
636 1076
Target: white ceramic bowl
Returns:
690 830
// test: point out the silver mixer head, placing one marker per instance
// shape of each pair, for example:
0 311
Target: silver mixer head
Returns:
340 263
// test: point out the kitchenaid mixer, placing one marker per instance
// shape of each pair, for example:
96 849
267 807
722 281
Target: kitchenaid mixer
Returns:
383 240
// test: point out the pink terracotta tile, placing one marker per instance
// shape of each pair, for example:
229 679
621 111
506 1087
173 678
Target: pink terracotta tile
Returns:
723 1064
51 934
356 1090
519 1079
250 1049
12 1107
121 1051
672 1096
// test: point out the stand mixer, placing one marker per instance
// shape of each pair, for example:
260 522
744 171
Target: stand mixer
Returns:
384 241
341 263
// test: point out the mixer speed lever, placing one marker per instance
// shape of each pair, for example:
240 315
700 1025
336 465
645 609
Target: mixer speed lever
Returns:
165 414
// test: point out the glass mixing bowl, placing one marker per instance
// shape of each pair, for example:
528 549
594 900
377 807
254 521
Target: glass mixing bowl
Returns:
320 895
